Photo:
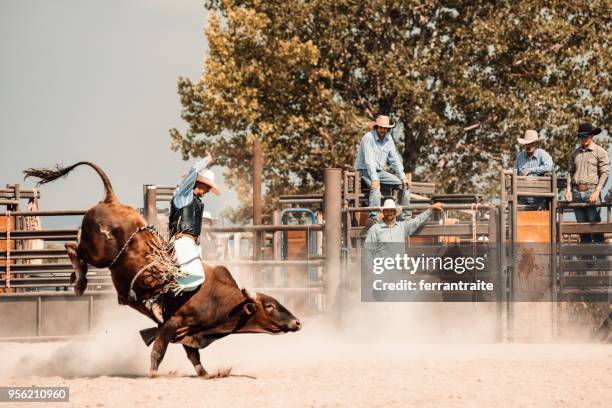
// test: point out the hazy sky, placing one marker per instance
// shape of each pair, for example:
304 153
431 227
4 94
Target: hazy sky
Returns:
96 80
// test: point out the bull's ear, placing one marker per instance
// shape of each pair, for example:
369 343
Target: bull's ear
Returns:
248 294
249 308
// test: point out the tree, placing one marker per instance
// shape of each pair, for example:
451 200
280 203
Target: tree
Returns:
306 76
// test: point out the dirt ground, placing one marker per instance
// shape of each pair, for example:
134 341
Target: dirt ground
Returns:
386 365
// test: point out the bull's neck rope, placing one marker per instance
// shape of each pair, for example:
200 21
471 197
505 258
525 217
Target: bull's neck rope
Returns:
139 229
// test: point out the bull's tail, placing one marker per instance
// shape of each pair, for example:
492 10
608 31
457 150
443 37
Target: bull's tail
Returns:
48 175
148 335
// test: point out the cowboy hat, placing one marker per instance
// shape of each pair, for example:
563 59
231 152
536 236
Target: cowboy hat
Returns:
390 205
586 130
208 177
384 122
530 136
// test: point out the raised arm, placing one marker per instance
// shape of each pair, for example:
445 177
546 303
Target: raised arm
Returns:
189 181
414 224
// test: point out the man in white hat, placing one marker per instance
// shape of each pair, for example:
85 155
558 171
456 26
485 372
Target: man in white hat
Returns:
375 152
532 161
185 224
391 230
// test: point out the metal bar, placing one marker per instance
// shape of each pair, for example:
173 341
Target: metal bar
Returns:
588 281
54 285
267 228
585 228
301 201
98 293
49 213
15 233
586 249
584 265
333 236
566 205
535 194
30 339
318 262
8 250
299 196
423 207
8 202
273 289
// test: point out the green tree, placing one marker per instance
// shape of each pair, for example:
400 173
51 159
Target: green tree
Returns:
306 77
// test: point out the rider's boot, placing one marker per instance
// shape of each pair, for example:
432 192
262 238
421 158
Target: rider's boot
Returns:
155 306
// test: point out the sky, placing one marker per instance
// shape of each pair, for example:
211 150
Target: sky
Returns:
96 81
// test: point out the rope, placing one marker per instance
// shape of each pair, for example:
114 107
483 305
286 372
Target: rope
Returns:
122 250
8 249
132 295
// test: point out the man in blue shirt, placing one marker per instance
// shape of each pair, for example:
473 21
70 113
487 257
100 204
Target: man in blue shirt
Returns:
532 161
390 230
375 152
185 224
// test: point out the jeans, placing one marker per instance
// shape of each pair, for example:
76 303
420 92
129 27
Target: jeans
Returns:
590 214
387 180
534 203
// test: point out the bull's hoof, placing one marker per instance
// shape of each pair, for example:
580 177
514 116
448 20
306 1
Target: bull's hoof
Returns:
80 286
153 374
201 371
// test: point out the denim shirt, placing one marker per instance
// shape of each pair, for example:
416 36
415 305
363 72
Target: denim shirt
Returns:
398 232
374 154
184 193
536 165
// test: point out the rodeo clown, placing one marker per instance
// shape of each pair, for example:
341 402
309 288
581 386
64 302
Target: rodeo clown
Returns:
185 225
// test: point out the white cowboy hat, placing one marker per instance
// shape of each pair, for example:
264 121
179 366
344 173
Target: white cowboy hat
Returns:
208 177
530 137
384 122
207 215
390 205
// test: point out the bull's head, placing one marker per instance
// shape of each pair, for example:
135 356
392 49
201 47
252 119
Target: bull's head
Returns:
267 315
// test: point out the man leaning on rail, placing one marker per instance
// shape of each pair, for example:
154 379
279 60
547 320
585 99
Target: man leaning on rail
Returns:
375 152
185 226
589 168
532 161
391 230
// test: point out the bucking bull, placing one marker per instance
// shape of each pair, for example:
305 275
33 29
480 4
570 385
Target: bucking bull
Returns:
115 236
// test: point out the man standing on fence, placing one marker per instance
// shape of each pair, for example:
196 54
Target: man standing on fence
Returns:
375 152
589 168
532 161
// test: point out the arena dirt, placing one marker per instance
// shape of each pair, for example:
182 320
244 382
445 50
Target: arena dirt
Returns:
426 355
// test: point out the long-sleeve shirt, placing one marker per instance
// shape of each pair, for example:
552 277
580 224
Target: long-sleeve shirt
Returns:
535 165
381 232
374 154
590 165
184 193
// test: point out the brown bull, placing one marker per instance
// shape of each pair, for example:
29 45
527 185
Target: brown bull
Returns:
108 239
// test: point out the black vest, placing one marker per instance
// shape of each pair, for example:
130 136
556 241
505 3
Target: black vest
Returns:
186 220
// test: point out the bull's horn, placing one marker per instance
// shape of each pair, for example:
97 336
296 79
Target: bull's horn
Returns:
248 294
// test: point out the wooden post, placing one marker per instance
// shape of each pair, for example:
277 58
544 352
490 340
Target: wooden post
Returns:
332 204
150 204
257 213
